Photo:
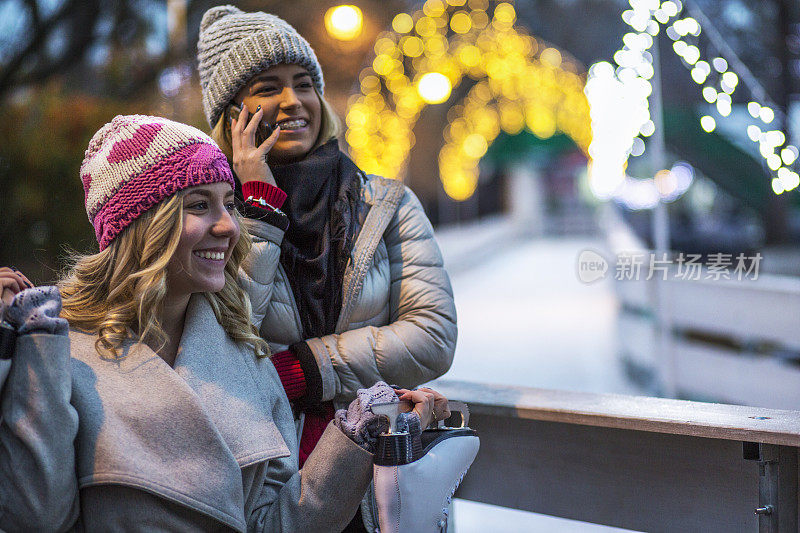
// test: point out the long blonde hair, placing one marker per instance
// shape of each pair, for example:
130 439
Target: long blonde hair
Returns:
119 293
330 128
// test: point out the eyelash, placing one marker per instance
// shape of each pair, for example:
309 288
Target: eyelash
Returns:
270 89
230 206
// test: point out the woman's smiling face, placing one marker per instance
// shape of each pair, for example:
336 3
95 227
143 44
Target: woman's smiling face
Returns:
287 96
210 231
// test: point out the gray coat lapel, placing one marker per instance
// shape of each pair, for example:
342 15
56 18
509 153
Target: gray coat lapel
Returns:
227 384
182 433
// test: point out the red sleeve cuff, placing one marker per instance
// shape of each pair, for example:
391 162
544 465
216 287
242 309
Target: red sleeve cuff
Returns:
271 194
291 374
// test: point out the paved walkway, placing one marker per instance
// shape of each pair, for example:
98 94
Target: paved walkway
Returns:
525 319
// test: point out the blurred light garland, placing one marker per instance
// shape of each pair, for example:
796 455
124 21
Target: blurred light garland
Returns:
520 83
620 113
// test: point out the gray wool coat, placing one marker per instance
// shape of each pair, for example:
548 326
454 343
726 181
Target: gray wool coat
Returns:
398 318
90 444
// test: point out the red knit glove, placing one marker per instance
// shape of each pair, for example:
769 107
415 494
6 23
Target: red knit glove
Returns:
271 194
292 377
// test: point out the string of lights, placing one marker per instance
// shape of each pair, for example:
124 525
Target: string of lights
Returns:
772 143
520 82
628 86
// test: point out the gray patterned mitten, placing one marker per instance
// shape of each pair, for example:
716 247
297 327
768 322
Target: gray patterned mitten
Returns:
363 426
36 310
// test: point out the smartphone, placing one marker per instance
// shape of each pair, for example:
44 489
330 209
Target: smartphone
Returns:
264 129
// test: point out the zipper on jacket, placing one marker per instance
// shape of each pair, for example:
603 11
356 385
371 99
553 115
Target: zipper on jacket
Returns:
385 208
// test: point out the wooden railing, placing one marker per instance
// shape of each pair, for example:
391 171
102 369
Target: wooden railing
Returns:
646 464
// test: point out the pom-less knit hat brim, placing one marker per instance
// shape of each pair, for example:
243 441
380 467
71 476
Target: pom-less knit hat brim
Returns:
234 46
136 161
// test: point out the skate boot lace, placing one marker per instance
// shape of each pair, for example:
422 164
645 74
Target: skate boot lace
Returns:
443 522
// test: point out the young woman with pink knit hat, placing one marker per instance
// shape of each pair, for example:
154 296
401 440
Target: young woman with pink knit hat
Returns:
137 395
355 291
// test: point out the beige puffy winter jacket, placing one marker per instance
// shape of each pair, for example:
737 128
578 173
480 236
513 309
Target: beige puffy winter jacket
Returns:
398 318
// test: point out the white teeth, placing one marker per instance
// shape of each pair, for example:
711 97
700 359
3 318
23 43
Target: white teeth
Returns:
293 124
217 256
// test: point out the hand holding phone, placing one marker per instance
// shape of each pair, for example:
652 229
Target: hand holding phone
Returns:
264 129
249 155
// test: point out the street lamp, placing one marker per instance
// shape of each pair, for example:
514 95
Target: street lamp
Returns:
344 22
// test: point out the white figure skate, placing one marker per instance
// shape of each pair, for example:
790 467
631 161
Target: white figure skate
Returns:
415 478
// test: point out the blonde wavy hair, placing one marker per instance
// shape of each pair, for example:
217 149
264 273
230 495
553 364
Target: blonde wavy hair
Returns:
120 292
330 128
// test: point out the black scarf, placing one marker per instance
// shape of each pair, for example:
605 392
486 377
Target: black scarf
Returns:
323 189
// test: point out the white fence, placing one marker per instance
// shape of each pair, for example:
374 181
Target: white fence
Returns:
729 340
732 341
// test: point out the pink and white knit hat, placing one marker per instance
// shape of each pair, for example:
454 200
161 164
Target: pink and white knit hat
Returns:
135 161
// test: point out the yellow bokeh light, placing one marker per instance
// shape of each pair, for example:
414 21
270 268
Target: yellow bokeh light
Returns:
384 45
356 118
475 145
479 19
458 129
457 3
469 55
375 102
403 23
344 22
383 64
505 14
482 92
426 27
497 69
434 8
511 119
396 84
541 122
356 138
460 22
435 46
460 186
551 56
412 46
434 88
370 83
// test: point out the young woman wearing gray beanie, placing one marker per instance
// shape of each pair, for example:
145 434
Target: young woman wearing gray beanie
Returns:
137 395
358 292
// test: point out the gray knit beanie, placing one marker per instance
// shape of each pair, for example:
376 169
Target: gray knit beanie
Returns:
234 46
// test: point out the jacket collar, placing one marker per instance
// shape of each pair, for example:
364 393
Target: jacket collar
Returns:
230 386
185 432
376 189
